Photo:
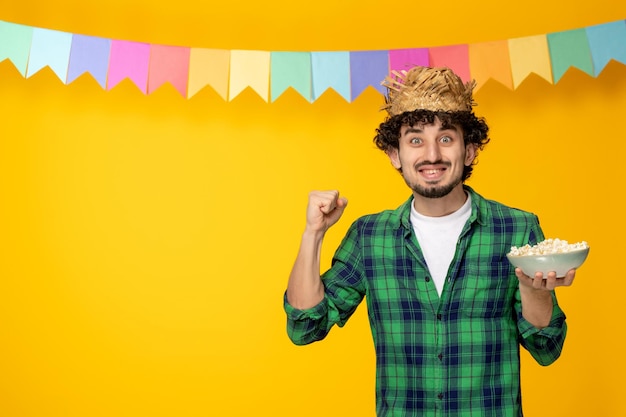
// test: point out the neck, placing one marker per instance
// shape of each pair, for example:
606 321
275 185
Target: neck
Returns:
438 207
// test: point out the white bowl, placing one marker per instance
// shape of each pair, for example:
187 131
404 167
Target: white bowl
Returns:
557 262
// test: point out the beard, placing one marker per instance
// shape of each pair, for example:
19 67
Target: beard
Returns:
434 190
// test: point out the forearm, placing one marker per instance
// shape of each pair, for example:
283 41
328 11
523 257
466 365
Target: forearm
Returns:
537 306
305 288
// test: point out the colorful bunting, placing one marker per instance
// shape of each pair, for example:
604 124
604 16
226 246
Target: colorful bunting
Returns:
529 54
49 48
209 67
169 64
310 74
331 70
89 55
607 41
15 41
455 57
129 60
249 69
490 60
291 69
403 59
569 49
367 68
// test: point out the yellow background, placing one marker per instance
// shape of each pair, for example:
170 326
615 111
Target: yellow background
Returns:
145 241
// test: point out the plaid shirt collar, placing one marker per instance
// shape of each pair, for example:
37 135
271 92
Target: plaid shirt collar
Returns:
479 210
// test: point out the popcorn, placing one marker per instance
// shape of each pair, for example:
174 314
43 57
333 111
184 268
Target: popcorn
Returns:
548 246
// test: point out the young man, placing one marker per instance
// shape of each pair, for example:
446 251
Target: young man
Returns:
447 310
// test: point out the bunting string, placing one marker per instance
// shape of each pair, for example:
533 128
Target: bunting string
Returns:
269 74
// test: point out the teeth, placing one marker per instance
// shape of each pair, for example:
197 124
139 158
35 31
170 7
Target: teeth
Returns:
431 171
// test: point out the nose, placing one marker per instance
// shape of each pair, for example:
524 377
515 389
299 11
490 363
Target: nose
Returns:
431 151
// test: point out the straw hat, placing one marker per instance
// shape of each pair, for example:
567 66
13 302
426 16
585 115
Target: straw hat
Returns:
425 88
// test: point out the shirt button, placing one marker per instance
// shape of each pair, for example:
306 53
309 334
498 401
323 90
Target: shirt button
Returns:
438 316
427 278
440 356
440 396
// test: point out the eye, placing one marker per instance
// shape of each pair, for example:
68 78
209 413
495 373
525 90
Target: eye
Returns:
415 141
445 139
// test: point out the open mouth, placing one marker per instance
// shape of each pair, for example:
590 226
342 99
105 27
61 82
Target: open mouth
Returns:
432 173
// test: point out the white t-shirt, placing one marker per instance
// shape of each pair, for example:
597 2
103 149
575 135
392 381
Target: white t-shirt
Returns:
438 237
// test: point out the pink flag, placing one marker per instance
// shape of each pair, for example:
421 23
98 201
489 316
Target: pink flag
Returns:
129 60
405 59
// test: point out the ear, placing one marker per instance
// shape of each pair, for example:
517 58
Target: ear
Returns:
394 157
470 154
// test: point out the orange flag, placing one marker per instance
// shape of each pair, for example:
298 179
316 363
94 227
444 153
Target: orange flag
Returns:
490 60
209 67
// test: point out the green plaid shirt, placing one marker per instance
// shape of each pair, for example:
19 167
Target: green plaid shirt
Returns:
454 355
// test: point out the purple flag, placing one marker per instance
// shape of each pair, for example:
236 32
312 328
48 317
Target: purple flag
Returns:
368 68
89 54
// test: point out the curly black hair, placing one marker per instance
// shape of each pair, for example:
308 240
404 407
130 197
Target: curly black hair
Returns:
475 129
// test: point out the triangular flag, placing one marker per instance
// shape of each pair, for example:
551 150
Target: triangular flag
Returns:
455 57
569 49
368 68
405 59
209 67
331 70
607 41
490 60
529 54
291 69
129 60
15 43
89 54
50 48
168 64
249 69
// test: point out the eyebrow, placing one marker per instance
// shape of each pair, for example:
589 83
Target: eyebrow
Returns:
441 129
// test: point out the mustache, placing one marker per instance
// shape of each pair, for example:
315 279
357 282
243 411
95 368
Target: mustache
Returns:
437 162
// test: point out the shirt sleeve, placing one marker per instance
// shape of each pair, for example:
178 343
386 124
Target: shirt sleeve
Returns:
344 290
546 344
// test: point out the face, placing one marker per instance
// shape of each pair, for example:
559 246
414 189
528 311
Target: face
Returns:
431 158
